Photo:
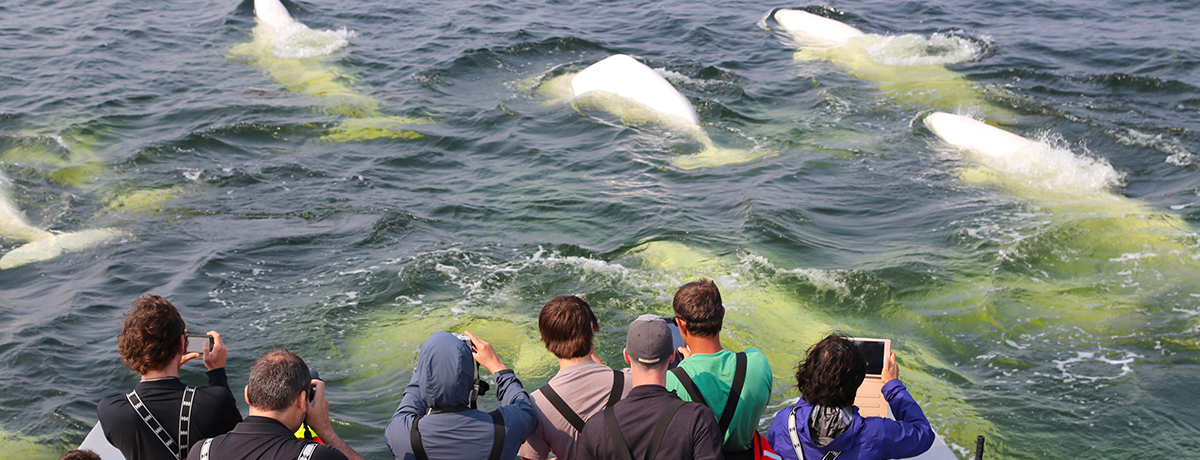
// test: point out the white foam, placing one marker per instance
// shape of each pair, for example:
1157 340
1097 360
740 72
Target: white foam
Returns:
1178 155
917 50
297 41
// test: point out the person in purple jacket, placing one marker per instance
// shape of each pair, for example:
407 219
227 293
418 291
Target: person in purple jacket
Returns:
825 425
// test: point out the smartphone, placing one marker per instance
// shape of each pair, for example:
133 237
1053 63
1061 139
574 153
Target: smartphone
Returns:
195 343
876 351
676 341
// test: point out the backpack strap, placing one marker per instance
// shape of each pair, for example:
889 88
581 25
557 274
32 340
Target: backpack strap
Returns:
204 448
307 453
660 430
617 388
831 455
562 407
614 431
414 438
498 441
735 390
179 450
689 385
569 414
735 393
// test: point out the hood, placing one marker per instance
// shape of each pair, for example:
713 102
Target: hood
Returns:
843 442
447 371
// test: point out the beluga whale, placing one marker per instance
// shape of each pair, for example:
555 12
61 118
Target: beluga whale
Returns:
909 68
624 87
40 244
298 59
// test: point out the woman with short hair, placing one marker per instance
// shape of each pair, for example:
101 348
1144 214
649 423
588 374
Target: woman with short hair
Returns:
825 425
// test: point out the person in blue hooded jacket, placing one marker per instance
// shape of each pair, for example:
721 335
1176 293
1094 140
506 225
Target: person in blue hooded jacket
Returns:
436 418
825 425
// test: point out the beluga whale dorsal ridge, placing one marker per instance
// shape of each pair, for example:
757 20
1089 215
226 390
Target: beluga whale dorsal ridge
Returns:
622 86
818 30
624 76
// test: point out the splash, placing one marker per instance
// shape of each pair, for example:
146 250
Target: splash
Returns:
297 41
939 49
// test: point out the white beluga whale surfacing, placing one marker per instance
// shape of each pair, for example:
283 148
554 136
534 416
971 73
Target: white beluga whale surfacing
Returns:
296 57
40 244
622 86
909 68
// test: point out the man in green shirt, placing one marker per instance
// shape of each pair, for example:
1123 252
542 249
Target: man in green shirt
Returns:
711 369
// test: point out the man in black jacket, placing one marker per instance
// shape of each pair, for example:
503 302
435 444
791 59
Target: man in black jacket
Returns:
162 416
282 394
650 423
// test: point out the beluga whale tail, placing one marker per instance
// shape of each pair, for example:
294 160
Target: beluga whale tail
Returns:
40 244
909 68
624 87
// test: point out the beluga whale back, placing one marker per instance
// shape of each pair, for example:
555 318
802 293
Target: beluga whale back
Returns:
624 87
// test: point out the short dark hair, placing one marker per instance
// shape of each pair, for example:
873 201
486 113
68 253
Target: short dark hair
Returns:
832 372
152 334
699 305
276 379
80 454
568 325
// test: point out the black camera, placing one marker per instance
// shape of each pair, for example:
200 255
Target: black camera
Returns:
312 388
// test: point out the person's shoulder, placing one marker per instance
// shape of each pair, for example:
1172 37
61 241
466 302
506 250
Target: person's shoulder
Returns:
326 452
755 356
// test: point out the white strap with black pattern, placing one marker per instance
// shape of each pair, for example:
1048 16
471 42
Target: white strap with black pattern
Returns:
204 448
307 453
831 455
179 449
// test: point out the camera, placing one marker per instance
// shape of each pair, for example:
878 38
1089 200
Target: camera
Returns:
195 343
312 388
466 340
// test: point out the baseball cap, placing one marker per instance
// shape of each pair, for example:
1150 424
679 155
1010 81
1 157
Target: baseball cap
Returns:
649 340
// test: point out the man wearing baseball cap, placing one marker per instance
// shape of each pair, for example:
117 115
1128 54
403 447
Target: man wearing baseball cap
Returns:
650 422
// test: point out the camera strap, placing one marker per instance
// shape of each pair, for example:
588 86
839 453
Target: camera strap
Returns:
660 430
831 455
185 420
569 414
305 454
414 438
735 391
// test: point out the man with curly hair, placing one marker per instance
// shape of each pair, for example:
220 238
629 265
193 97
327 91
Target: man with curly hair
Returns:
162 416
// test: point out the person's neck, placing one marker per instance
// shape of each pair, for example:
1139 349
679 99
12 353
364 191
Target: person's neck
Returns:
170 371
289 419
639 377
565 363
704 345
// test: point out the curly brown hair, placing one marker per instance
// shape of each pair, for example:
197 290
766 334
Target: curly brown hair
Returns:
699 305
832 372
152 334
568 326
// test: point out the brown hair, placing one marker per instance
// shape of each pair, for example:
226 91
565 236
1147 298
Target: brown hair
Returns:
152 334
567 326
80 454
277 377
832 372
699 305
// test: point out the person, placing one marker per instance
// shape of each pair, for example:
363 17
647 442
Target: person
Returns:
282 394
437 417
709 373
162 416
80 454
583 386
825 419
651 422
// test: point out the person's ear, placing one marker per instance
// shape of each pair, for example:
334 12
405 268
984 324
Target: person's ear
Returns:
682 326
626 353
246 393
302 402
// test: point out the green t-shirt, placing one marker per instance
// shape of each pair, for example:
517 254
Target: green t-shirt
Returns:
713 375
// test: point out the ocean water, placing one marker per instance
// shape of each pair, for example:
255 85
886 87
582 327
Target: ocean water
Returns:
394 169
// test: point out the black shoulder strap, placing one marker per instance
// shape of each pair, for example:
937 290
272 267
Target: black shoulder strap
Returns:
735 393
414 438
614 431
562 407
498 442
660 430
689 385
617 388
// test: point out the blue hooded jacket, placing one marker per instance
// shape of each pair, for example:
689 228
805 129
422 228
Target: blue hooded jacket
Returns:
870 438
443 379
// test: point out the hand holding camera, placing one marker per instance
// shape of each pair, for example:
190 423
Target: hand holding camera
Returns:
484 354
